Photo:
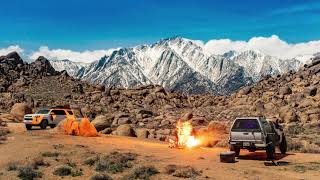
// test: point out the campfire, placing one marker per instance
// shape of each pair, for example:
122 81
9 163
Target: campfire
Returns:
185 136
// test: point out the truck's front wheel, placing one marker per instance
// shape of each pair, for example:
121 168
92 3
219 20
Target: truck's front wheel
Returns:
236 149
283 146
28 127
44 124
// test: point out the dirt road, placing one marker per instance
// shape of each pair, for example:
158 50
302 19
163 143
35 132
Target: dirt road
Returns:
22 146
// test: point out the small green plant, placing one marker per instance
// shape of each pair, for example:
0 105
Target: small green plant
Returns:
50 154
76 173
144 172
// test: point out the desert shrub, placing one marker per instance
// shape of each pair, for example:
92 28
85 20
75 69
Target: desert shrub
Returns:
100 176
12 166
62 170
38 161
91 160
76 173
4 131
144 172
294 145
50 154
182 171
28 173
115 162
58 146
70 163
310 148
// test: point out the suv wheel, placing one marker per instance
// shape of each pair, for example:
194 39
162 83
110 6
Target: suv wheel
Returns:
283 146
270 150
44 124
236 149
28 126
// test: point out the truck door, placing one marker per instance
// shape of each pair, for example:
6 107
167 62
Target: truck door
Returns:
58 115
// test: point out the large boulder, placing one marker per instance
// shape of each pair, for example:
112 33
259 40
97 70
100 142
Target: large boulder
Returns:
142 133
288 114
125 130
187 116
19 110
102 122
286 90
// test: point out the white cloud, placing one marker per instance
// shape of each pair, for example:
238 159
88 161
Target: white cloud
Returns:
60 54
10 49
272 45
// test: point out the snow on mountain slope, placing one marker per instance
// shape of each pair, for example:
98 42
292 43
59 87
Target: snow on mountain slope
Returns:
71 67
183 65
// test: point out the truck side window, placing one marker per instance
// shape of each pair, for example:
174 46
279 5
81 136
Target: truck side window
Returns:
70 112
59 112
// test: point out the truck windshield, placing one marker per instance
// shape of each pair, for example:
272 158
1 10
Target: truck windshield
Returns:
246 125
43 111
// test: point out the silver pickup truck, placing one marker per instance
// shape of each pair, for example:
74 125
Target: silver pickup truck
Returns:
256 133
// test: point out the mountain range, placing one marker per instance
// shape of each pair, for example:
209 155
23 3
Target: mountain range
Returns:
182 65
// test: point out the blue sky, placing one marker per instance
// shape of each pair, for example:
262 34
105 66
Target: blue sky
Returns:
97 24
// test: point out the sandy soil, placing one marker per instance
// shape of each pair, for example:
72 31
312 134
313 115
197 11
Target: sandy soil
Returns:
22 146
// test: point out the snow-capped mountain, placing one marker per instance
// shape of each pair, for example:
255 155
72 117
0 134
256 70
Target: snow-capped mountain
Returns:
180 64
71 67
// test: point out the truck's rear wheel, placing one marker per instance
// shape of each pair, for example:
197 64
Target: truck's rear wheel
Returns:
44 124
236 149
270 150
28 126
283 146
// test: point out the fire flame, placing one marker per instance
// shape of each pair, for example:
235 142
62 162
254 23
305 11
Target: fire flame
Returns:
185 135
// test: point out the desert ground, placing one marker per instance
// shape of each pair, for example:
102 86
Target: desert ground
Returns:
23 147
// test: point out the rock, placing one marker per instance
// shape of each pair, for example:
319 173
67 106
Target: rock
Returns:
102 122
285 90
153 125
187 116
163 131
106 131
288 114
125 130
245 91
124 120
7 117
96 97
310 91
19 110
306 103
142 133
217 127
199 121
165 122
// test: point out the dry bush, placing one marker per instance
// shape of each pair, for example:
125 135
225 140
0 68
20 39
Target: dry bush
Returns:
50 154
91 160
115 162
28 173
144 172
62 170
12 166
100 176
182 171
38 161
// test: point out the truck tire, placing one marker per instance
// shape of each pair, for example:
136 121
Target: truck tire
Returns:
28 127
236 149
270 150
44 124
283 146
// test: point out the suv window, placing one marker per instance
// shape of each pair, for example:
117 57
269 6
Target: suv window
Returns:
59 112
70 112
246 125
